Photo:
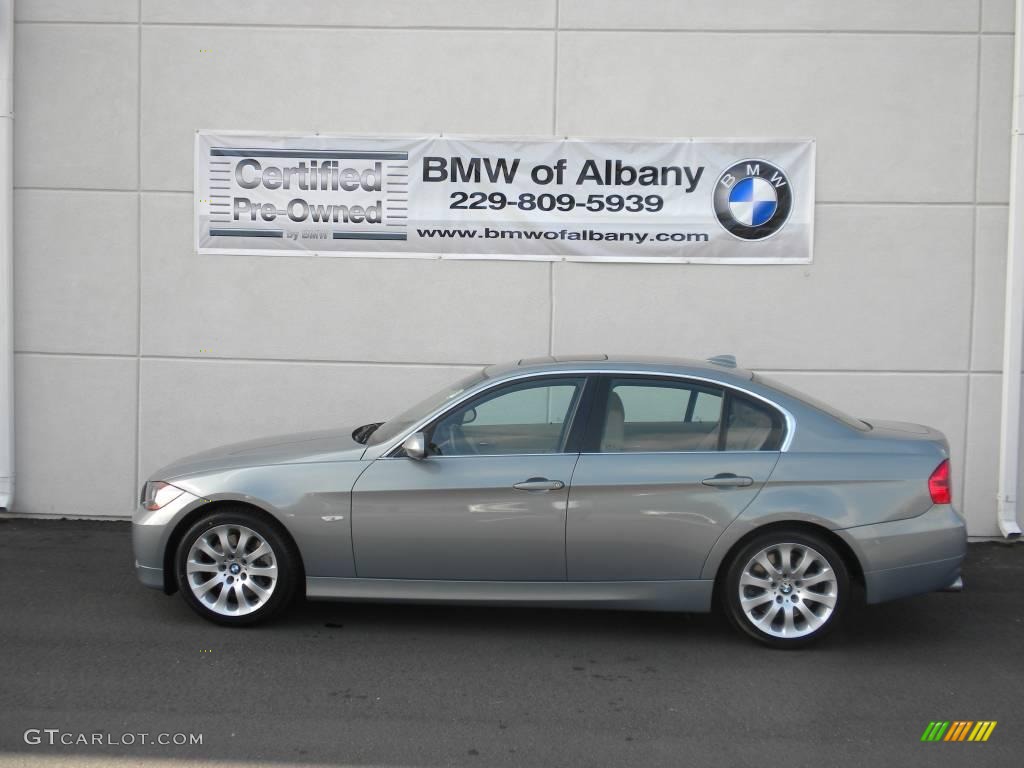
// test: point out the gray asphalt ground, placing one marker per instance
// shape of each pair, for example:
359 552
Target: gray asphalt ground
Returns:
84 648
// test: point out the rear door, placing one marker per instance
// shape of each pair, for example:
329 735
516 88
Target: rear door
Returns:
667 464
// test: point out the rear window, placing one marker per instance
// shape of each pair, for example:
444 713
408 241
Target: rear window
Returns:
838 415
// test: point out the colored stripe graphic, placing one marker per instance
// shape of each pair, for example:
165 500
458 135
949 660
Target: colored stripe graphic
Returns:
958 730
983 730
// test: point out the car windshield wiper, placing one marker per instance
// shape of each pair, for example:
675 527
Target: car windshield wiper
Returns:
362 434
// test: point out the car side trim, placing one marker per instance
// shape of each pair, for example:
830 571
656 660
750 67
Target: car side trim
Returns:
386 448
586 453
686 595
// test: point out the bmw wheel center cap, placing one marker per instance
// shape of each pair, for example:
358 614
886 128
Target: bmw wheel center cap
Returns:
752 199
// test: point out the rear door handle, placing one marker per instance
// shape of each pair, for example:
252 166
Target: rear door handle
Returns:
727 480
539 484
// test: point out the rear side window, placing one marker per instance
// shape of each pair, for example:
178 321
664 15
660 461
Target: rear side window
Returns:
669 416
657 416
752 426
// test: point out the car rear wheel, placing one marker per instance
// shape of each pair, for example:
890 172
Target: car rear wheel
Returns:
786 588
235 567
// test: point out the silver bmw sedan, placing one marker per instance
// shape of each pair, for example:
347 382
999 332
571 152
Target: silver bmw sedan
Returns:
627 483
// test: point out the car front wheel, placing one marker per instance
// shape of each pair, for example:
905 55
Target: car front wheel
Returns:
786 588
235 567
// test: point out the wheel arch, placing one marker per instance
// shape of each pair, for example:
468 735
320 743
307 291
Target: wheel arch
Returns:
220 505
850 559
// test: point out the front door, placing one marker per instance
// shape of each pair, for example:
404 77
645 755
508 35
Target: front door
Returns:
668 464
488 504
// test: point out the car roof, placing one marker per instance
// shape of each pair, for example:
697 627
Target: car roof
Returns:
722 368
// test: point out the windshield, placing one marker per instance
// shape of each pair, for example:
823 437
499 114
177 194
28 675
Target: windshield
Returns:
849 421
395 426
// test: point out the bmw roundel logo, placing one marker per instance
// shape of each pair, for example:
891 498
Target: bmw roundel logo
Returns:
752 199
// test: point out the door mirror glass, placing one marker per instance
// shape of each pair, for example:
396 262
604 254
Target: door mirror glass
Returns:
415 446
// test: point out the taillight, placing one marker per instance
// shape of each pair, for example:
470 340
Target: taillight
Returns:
940 485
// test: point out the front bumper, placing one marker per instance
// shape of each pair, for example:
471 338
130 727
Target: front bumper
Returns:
150 576
151 531
912 556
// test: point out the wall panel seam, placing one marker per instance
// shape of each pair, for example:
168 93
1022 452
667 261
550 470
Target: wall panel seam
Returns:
138 277
554 132
470 364
974 262
278 26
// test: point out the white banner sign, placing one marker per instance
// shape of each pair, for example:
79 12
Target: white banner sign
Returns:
747 201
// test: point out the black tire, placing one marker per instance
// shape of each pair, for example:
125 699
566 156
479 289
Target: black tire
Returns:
805 613
250 572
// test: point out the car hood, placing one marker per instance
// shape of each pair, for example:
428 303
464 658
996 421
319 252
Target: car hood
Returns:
299 448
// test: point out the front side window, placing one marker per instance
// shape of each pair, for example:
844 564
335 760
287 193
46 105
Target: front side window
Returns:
393 427
655 415
530 417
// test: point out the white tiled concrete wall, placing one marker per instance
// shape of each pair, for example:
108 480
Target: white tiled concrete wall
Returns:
132 350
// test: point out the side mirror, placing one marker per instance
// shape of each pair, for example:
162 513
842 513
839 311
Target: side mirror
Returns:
415 446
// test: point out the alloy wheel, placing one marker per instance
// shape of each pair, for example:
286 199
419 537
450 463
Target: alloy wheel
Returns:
231 569
788 590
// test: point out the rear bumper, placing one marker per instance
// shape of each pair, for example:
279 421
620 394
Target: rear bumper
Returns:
909 557
894 583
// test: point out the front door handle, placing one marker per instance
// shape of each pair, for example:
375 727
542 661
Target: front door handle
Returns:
727 480
539 484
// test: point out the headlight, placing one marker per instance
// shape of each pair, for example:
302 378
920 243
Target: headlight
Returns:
157 494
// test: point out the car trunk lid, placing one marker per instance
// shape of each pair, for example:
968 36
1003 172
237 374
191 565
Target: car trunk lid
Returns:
905 430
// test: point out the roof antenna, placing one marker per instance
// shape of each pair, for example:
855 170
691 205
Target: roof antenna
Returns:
726 361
